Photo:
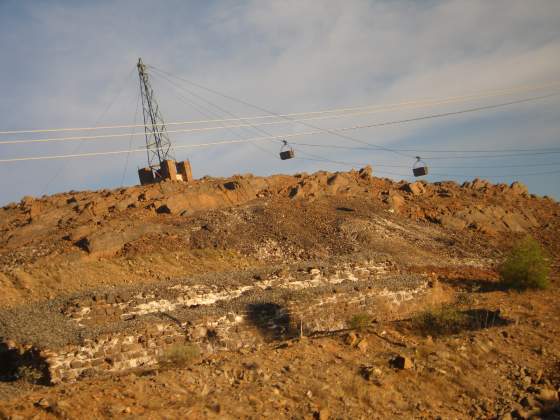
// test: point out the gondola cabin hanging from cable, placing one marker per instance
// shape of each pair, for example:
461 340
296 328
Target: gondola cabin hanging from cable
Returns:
419 168
286 152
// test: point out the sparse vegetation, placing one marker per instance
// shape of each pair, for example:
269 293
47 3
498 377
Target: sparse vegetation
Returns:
443 320
449 319
527 266
179 355
29 374
360 321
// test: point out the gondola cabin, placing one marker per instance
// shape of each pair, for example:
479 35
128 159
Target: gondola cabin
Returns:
286 152
420 168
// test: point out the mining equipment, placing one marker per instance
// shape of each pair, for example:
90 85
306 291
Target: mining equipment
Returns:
162 164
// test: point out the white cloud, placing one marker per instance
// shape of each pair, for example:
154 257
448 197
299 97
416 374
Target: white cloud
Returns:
68 60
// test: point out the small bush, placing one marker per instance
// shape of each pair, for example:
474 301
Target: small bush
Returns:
29 374
441 321
179 355
526 267
360 321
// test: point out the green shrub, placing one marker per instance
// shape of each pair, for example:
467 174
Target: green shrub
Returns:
360 321
441 321
179 355
526 267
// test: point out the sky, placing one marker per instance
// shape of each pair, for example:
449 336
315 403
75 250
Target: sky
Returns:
72 64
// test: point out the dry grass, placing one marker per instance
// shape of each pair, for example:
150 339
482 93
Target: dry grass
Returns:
179 355
360 321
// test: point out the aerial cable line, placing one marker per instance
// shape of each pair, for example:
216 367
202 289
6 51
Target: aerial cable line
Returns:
203 110
97 121
253 126
354 164
321 160
526 165
225 111
247 140
387 165
188 130
273 113
130 140
521 151
374 108
490 156
337 133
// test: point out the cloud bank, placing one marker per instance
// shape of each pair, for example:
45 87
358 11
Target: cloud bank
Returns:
72 64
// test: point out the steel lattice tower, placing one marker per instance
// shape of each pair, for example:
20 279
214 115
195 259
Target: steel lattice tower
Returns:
158 144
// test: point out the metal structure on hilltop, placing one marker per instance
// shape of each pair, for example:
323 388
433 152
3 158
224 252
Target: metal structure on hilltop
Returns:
161 160
158 144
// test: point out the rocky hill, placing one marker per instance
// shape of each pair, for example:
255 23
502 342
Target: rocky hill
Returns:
98 283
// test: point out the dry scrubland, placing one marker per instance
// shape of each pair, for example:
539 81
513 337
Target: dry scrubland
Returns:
326 295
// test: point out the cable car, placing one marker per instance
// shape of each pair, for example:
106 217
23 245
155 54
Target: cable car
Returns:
286 152
419 168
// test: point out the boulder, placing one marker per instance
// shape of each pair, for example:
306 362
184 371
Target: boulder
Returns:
337 181
362 346
231 185
402 362
35 209
414 188
109 241
547 394
125 203
515 223
396 201
477 184
26 201
305 189
517 188
323 414
80 232
96 208
452 222
351 338
366 172
176 204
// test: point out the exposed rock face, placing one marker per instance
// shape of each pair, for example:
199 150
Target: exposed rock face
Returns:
235 269
443 203
518 188
176 204
108 241
396 201
44 241
489 219
477 184
139 327
366 172
338 181
414 188
452 222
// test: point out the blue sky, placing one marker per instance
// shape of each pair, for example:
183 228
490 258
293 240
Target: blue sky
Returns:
71 64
